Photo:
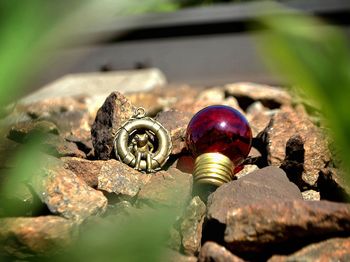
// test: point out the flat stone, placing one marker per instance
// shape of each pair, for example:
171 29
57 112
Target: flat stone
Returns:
170 188
24 237
258 186
335 249
98 83
311 195
116 177
176 123
86 170
260 121
113 113
213 252
64 193
191 226
271 97
271 225
287 123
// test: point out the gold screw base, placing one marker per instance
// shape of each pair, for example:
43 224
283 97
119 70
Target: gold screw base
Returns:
212 168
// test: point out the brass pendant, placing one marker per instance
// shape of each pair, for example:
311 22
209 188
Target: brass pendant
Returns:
142 143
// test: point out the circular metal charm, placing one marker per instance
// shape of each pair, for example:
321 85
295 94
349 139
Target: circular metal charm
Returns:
142 143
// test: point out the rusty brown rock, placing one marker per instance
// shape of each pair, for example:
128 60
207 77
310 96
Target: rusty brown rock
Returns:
260 121
287 123
170 188
212 252
116 177
113 113
258 186
176 123
332 250
86 170
64 193
271 224
25 237
271 97
191 226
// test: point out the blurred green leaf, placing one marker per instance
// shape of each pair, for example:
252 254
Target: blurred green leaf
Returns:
316 59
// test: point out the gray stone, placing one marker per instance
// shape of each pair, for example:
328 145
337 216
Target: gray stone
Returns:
170 188
191 226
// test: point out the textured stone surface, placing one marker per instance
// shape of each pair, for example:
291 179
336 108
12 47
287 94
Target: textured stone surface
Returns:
212 252
332 250
311 195
247 169
28 236
191 226
64 193
176 123
114 112
271 224
287 123
116 177
259 186
260 121
57 146
86 170
269 96
167 188
208 97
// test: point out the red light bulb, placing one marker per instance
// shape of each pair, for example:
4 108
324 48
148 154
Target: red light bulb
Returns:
219 137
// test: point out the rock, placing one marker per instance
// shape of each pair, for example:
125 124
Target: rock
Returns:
247 93
98 83
260 121
21 131
191 226
116 177
208 97
59 147
174 241
247 169
284 225
64 193
149 101
24 237
82 138
293 163
176 123
212 252
86 170
255 109
113 113
311 195
287 123
174 256
335 249
258 186
170 188
332 185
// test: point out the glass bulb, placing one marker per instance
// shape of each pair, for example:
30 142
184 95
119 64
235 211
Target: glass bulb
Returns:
219 137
